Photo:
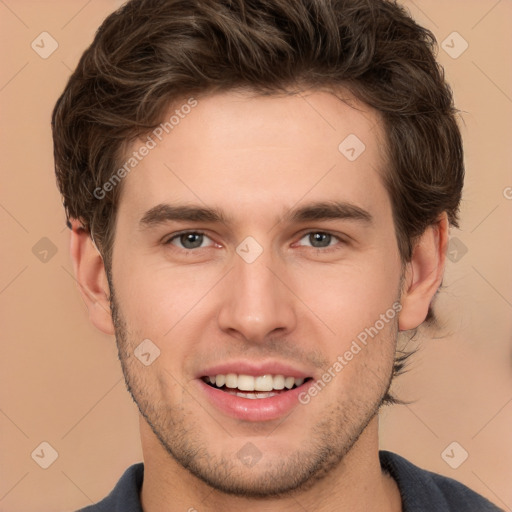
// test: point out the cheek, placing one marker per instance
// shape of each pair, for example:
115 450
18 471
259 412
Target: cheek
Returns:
362 355
350 298
151 292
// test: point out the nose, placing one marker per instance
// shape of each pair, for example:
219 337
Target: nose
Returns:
255 302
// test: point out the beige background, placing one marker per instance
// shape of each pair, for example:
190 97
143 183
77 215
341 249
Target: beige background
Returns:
60 379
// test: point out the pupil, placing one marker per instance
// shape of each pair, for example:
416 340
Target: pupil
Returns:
320 239
191 240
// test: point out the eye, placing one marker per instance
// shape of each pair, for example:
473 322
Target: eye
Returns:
190 240
319 239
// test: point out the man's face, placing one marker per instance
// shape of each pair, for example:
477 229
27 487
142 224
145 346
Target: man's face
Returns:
280 285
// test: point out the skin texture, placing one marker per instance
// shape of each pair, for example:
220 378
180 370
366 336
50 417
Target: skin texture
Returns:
256 159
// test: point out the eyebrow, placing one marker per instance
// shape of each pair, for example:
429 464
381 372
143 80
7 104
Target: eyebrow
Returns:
166 212
329 210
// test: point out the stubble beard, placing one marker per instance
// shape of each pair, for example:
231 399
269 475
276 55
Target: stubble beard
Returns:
183 437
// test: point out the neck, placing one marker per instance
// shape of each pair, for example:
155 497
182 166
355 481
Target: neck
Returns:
357 484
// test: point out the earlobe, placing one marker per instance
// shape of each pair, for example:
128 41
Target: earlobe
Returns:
90 274
424 274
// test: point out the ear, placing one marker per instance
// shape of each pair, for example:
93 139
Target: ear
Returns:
91 277
423 274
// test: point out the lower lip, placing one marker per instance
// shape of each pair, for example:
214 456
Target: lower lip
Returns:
257 409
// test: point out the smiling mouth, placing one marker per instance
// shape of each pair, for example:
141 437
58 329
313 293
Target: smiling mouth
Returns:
248 386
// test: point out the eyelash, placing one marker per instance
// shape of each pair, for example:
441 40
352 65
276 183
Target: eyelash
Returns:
181 233
326 249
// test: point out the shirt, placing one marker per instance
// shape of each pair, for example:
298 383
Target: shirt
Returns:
421 490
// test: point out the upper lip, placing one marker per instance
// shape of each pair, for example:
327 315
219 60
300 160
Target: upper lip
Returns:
255 369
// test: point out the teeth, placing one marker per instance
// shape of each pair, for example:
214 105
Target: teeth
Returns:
253 396
245 383
264 383
278 382
231 380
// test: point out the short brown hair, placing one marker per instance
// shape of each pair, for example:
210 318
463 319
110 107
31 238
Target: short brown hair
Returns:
151 53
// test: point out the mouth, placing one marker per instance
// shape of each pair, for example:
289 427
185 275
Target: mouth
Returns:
254 387
260 397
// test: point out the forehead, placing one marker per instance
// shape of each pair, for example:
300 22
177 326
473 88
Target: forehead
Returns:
242 152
